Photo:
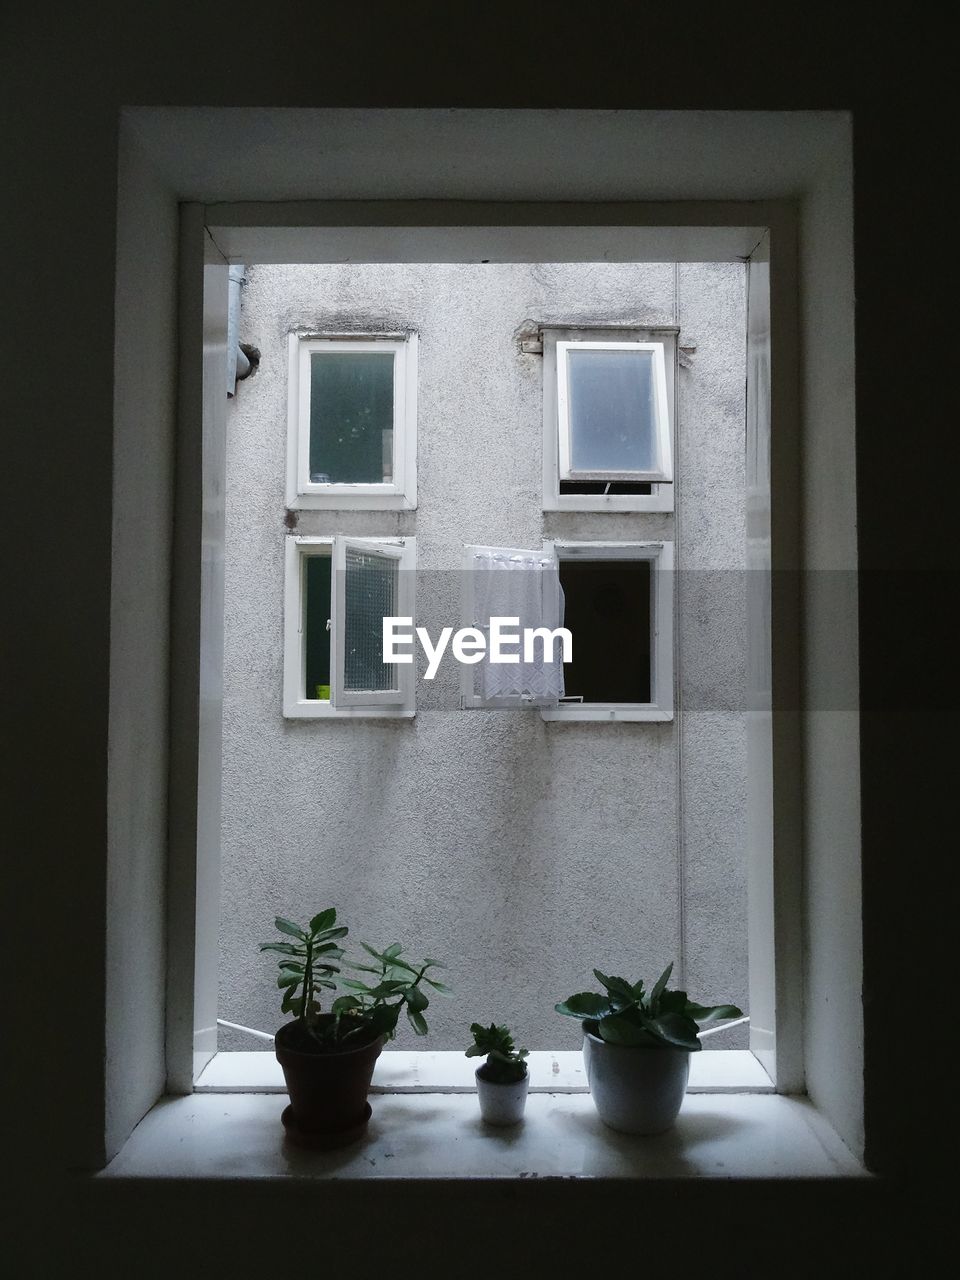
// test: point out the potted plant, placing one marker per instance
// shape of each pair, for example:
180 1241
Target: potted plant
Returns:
637 1046
328 1056
503 1079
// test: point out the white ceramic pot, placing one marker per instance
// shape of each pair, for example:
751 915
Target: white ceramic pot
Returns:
502 1103
635 1090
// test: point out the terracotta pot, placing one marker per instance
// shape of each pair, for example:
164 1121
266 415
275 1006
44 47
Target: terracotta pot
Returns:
635 1090
328 1091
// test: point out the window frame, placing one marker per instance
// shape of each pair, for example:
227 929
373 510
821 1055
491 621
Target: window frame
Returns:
661 426
401 493
296 706
661 496
660 709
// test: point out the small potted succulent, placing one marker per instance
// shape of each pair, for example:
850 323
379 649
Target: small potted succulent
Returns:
328 1056
637 1046
503 1079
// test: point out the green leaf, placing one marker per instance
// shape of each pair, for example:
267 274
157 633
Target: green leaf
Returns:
382 1019
353 985
439 986
617 1029
342 1003
292 964
417 1021
616 986
324 920
433 964
586 1004
706 1013
660 984
288 927
329 934
475 1051
393 950
329 949
284 948
675 1029
416 999
322 982
289 980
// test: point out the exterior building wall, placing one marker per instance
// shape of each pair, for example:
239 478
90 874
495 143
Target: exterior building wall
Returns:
522 853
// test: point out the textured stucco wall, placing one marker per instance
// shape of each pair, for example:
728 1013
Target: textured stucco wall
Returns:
522 853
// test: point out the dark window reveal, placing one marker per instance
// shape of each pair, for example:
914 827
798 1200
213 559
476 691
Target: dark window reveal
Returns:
607 610
316 612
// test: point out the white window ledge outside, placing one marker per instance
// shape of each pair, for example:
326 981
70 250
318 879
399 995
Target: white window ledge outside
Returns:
711 1071
426 1125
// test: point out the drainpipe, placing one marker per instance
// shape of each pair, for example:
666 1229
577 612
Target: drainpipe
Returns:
238 366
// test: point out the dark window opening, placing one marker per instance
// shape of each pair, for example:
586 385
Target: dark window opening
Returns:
316 613
605 486
607 610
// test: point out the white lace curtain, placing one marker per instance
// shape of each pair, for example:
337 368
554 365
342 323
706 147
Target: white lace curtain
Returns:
524 585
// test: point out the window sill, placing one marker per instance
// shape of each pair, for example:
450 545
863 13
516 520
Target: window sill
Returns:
430 1137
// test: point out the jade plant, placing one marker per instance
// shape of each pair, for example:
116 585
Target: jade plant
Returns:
309 966
625 1013
505 1063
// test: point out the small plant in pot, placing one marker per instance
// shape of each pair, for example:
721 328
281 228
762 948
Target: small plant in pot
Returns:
637 1046
328 1055
503 1079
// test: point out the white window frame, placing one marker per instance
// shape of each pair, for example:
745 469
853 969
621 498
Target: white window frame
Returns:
556 341
343 704
660 707
398 495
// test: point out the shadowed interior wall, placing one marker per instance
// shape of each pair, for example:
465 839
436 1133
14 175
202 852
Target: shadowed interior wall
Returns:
522 853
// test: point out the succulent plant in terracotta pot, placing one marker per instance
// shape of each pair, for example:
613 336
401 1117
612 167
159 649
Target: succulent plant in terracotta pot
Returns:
328 1053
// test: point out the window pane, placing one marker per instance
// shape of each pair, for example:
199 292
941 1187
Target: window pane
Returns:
351 417
316 613
607 610
370 595
612 411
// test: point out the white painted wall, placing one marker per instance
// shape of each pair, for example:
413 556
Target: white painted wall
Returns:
522 853
143 444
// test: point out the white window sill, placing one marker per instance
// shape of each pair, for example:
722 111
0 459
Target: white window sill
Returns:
426 1125
428 1136
711 1071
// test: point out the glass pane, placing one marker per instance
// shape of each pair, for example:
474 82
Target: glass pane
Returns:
351 417
612 411
316 613
370 595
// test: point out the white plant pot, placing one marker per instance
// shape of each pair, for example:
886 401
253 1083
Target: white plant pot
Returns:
502 1103
635 1090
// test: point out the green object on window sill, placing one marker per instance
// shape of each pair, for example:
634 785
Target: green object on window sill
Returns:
323 692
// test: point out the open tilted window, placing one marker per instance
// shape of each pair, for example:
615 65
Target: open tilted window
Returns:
337 593
352 415
618 607
608 414
512 601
